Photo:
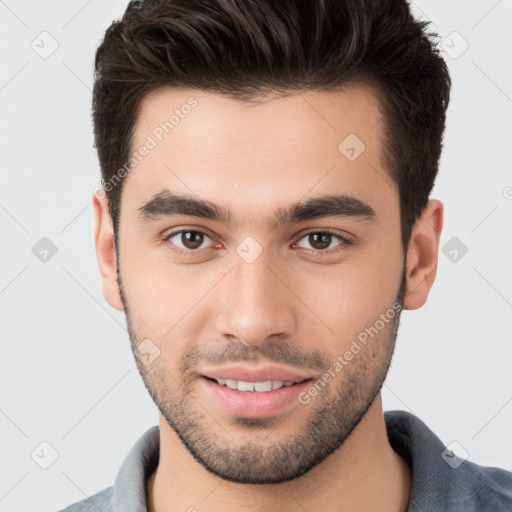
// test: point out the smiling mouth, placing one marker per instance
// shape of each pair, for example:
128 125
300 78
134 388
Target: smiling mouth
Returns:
256 387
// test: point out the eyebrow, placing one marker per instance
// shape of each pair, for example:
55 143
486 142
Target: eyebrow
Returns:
167 204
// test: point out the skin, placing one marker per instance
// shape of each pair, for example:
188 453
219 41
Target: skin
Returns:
291 306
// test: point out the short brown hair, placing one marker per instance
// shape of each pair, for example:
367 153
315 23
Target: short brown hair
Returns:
244 48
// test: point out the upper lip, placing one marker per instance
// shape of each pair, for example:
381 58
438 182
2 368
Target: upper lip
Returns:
252 374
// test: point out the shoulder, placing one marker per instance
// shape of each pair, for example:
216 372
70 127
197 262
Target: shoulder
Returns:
99 501
441 480
484 486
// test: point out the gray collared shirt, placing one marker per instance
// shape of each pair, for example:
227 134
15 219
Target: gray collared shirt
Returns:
441 481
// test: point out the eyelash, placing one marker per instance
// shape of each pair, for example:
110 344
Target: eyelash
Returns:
342 246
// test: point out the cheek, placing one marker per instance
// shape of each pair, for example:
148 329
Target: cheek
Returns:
344 306
349 297
165 298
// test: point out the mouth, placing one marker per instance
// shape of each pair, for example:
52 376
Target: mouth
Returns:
257 387
253 399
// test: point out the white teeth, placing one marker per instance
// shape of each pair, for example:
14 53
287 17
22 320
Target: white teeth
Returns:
263 386
260 387
245 386
231 384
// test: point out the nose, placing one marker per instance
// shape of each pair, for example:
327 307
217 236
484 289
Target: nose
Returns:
254 303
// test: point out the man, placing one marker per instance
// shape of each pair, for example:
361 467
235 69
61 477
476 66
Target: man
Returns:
267 169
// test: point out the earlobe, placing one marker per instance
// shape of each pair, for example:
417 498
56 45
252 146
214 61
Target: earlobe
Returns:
422 255
106 252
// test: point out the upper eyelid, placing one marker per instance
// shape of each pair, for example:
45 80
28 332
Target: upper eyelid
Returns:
177 232
325 230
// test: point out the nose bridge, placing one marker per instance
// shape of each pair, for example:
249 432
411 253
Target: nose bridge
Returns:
254 305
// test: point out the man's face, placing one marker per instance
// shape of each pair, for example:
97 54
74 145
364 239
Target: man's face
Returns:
257 293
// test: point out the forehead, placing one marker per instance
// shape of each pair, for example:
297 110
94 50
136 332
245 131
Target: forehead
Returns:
250 155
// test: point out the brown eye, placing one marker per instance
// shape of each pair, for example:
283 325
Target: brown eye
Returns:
320 241
323 241
188 239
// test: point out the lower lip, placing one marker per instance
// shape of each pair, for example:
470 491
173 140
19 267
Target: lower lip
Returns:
255 404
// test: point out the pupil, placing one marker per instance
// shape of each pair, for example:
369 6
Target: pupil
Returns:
322 239
192 239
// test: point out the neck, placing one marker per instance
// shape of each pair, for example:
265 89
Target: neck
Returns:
363 474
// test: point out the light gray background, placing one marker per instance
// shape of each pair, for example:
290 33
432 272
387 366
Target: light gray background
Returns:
68 376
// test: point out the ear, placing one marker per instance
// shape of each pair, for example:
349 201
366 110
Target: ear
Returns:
422 255
105 250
